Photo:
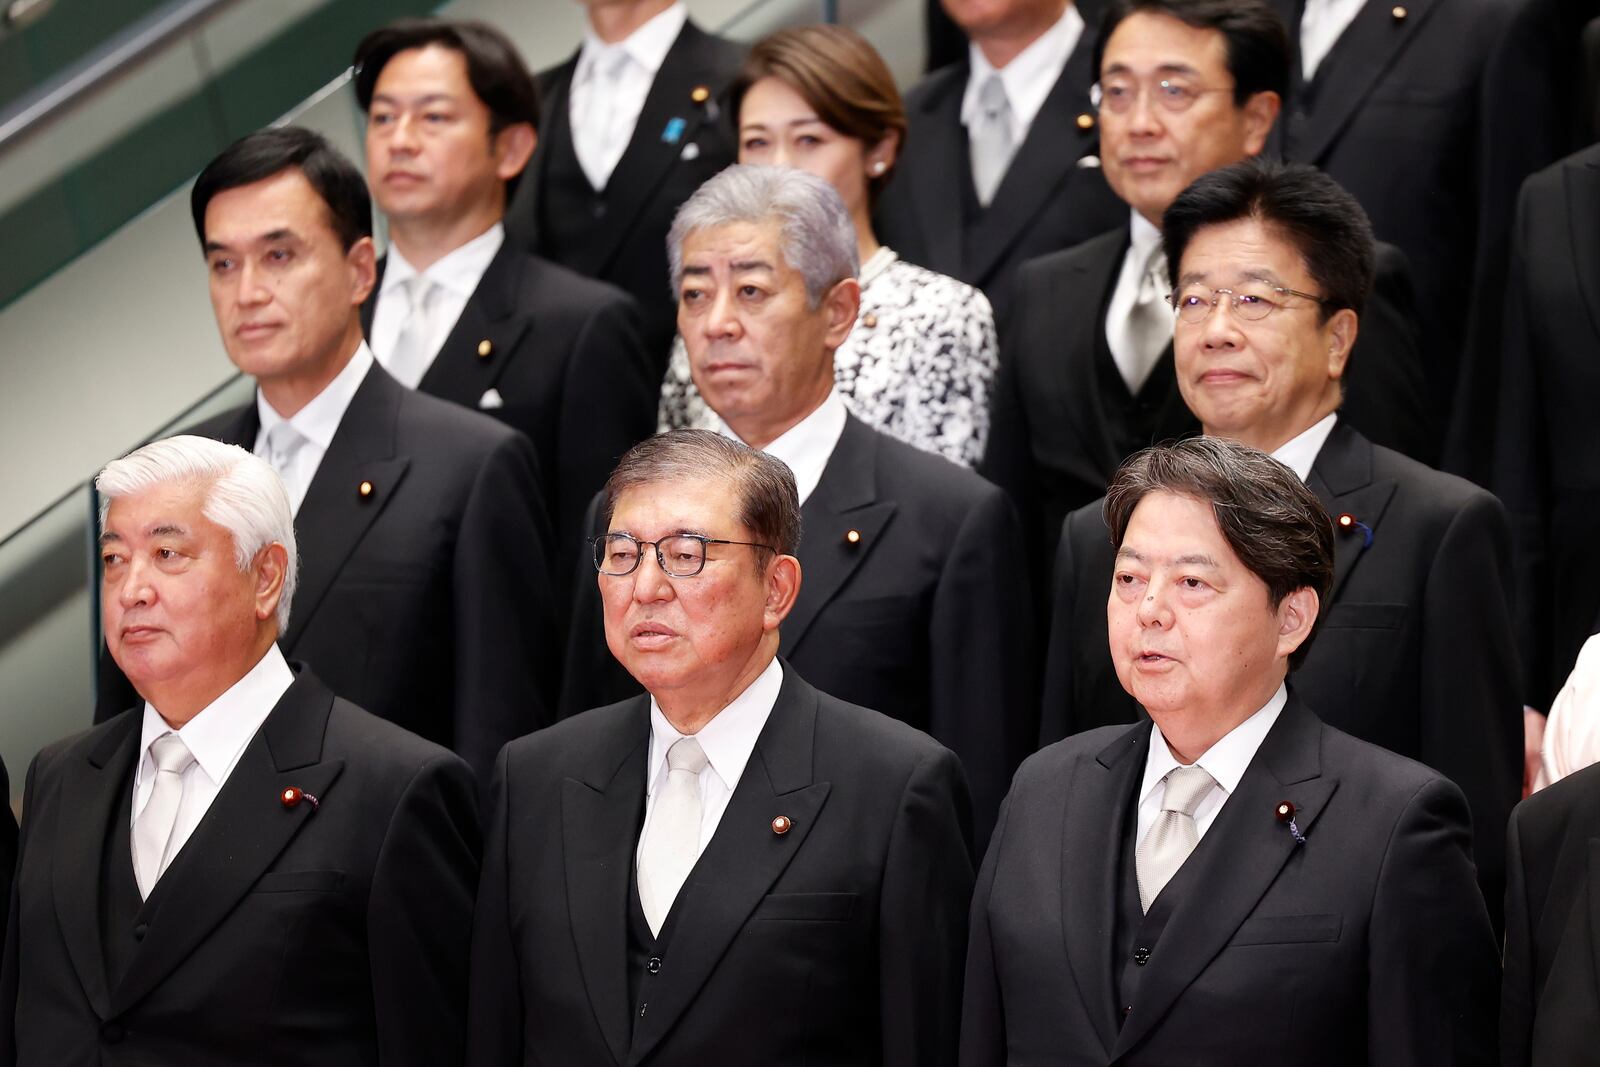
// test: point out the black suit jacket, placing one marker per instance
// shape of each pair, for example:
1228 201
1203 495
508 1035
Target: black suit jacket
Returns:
1367 944
333 933
1414 648
1054 446
428 600
1550 1001
1395 116
924 617
1053 195
619 235
564 353
1548 438
838 941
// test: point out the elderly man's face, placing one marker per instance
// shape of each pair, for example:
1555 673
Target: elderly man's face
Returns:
691 639
759 354
1264 382
176 609
1192 630
283 289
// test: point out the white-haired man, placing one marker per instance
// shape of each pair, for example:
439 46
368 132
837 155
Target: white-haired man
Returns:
247 868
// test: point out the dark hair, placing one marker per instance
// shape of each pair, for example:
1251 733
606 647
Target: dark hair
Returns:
769 504
1310 209
839 74
495 68
1257 40
1274 524
267 153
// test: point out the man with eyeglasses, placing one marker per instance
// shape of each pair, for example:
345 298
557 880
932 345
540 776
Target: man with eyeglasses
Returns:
915 602
1086 379
1270 267
736 866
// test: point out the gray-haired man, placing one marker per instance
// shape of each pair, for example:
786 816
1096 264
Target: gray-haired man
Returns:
915 602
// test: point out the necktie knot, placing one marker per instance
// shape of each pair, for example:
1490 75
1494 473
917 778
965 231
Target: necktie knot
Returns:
992 96
1186 787
1153 285
283 441
419 293
171 755
686 755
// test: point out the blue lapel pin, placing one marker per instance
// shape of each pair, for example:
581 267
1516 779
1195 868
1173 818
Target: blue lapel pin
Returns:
674 131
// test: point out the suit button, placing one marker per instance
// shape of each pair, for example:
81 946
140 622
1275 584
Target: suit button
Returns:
654 966
1141 956
112 1033
139 931
599 210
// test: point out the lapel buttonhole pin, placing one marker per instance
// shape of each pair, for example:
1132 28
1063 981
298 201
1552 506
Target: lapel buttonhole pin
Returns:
293 795
1285 813
700 93
1399 14
1348 523
484 348
1085 121
365 489
781 824
852 537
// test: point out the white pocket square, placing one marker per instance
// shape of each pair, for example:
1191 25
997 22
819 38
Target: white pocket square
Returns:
690 151
491 400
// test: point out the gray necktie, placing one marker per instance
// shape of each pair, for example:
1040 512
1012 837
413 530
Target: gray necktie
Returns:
152 830
672 840
415 347
1172 836
989 139
284 443
1149 326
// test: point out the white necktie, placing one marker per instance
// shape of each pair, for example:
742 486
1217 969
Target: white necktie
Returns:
416 345
1148 329
672 840
989 139
152 830
1172 836
596 140
284 443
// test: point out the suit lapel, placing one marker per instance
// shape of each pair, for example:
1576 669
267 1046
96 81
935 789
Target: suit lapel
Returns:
845 500
240 837
1367 49
1583 203
479 346
335 515
744 856
938 168
94 786
1342 479
1085 313
600 820
1098 805
1240 857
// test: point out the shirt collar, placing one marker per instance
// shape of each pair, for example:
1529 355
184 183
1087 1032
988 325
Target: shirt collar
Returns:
729 739
1299 453
319 420
647 46
1031 75
807 445
1227 760
459 271
218 735
1144 236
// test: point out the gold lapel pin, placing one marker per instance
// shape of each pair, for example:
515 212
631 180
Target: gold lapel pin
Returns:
1085 121
1399 13
781 824
365 489
852 537
484 348
700 93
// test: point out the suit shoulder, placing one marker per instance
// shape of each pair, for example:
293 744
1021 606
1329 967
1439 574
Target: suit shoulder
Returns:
1051 765
360 737
574 740
1095 252
720 54
874 738
935 85
1422 483
1384 778
916 470
216 427
440 422
548 283
1568 807
81 744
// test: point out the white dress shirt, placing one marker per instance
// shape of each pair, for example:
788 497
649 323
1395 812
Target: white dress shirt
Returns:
317 422
808 445
1146 238
1572 733
1226 761
1321 25
609 86
1028 78
1300 452
216 737
728 742
457 274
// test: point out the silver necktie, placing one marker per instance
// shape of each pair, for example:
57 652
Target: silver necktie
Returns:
672 840
416 344
152 830
989 139
1172 836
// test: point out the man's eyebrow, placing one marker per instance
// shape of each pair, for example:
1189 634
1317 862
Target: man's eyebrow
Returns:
691 269
108 537
283 233
1196 560
752 264
425 98
1128 553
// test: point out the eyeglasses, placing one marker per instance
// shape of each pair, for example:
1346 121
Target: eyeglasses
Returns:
1120 94
680 556
1252 304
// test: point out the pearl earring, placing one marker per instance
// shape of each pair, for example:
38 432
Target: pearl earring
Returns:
878 168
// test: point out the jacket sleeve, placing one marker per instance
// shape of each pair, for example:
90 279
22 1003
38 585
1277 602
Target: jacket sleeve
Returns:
419 917
922 922
494 1010
983 1016
1056 714
1516 984
10 966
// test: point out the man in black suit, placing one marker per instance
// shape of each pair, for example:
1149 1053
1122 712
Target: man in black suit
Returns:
1086 361
425 595
736 868
915 603
246 868
1416 651
460 313
1550 998
1234 882
999 162
1547 436
633 123
1387 98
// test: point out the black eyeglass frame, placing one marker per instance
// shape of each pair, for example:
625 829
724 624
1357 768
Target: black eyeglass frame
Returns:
598 544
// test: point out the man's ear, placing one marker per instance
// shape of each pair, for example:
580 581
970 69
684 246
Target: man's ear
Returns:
1260 112
843 304
513 147
1297 617
271 568
363 262
1340 330
783 587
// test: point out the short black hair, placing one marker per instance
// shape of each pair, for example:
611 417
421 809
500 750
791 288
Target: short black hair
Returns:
261 155
495 69
1322 221
1257 39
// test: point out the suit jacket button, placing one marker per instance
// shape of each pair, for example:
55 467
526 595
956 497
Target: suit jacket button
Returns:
112 1033
1141 955
654 966
599 210
139 931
